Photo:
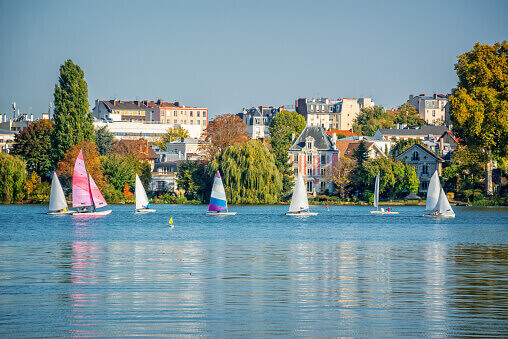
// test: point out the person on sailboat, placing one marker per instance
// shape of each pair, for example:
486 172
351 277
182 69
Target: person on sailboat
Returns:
389 209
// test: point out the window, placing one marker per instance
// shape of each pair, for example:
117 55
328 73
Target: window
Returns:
323 186
309 186
309 159
434 113
425 185
295 159
309 171
191 122
197 113
323 171
323 159
199 122
175 121
162 113
425 169
175 113
309 144
415 156
190 113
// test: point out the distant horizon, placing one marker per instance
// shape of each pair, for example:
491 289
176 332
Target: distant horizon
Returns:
233 54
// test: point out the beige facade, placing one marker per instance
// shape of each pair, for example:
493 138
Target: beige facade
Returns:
432 109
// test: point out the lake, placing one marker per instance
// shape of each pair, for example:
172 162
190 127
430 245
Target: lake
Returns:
344 272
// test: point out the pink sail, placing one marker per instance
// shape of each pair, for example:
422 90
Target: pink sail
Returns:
98 199
81 195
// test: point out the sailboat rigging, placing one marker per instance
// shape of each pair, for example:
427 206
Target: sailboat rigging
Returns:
299 202
376 200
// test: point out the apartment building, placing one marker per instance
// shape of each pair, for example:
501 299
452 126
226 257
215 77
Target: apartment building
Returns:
258 120
431 108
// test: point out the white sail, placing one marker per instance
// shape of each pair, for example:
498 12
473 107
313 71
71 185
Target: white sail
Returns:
140 194
433 192
57 197
299 200
443 205
376 192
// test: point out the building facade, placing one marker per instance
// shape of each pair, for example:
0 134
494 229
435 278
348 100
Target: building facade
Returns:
331 114
414 132
314 153
137 130
424 161
432 109
258 120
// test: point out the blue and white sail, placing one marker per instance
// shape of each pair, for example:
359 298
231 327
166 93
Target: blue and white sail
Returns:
218 197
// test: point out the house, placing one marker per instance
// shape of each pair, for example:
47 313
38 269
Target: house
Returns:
373 150
137 148
413 132
314 153
164 176
258 120
382 144
431 108
424 161
346 132
6 140
331 114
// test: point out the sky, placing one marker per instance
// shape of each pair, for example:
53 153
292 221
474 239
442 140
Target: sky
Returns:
227 55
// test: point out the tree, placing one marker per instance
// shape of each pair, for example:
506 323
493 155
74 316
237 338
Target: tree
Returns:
121 170
361 154
479 106
371 119
408 115
65 167
195 179
104 139
342 175
396 178
73 120
282 127
249 173
172 134
127 194
465 170
33 144
223 131
12 178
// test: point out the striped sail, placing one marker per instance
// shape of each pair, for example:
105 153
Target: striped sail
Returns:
97 197
81 195
218 197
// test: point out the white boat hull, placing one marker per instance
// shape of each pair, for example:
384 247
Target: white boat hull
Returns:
145 210
301 214
385 212
61 212
439 216
92 214
220 214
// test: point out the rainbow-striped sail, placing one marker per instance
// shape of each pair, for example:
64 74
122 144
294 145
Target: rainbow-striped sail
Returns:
218 197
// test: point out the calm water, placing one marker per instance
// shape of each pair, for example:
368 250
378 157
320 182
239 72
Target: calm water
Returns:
259 273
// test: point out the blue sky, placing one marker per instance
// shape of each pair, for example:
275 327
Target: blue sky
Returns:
226 55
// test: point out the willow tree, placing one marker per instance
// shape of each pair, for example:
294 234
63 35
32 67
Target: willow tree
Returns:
73 119
12 178
479 106
249 173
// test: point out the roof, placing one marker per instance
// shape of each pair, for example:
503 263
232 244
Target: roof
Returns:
423 148
412 196
6 131
138 147
415 131
321 139
457 140
125 105
346 132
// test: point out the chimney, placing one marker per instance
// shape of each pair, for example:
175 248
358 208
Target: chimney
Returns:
411 96
114 102
441 146
159 101
31 117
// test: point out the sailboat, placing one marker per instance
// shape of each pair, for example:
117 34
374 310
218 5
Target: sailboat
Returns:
142 204
376 200
57 202
299 203
218 204
437 200
85 193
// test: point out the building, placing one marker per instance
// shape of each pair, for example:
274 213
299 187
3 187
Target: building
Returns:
432 109
258 120
384 145
164 175
424 161
414 132
347 133
314 153
138 130
188 147
348 148
331 114
151 112
6 140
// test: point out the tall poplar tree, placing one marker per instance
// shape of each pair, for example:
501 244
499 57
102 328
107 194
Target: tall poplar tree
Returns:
479 106
73 119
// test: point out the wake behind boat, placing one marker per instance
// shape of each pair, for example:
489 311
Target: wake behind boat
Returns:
376 200
299 202
57 202
142 204
218 203
437 200
85 193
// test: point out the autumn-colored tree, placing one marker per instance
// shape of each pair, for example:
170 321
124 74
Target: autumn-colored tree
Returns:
223 131
342 175
33 144
407 114
172 134
127 194
65 167
479 106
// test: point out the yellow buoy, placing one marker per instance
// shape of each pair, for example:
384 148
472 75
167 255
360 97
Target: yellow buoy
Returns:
171 220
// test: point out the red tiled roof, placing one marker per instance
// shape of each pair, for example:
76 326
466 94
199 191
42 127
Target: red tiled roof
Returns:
346 132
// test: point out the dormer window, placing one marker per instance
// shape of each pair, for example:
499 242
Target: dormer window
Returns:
309 144
415 156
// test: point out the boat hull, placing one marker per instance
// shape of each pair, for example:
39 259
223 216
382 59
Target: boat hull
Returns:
385 212
61 213
439 216
301 214
91 214
145 210
220 214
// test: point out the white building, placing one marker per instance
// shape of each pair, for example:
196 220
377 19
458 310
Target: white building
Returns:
136 130
431 108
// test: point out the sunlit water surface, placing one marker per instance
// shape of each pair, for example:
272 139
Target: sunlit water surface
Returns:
344 272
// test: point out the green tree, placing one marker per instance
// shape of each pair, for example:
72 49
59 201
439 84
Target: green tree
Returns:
73 120
249 173
121 170
194 178
12 178
371 119
172 134
361 154
104 140
33 144
408 115
465 170
281 128
342 175
479 106
396 178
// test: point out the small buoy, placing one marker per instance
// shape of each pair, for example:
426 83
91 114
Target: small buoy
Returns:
190 273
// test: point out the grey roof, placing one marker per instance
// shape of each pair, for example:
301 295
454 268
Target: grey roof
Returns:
412 196
6 131
425 149
321 139
125 105
415 130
